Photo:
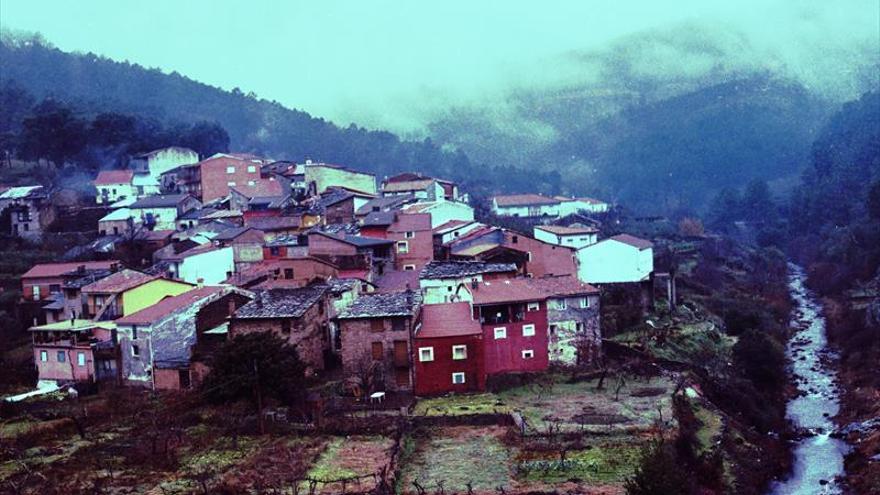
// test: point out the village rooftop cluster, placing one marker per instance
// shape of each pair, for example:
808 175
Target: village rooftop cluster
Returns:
391 283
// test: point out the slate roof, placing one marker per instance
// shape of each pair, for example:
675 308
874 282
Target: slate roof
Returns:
280 302
378 219
107 177
524 200
447 320
160 201
117 215
356 240
169 305
120 281
88 277
151 153
397 280
459 269
381 305
196 213
562 286
385 203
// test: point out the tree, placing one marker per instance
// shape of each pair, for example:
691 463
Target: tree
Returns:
53 132
761 359
206 138
757 202
112 129
660 472
257 366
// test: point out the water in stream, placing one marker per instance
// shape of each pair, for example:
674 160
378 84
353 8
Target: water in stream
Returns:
818 458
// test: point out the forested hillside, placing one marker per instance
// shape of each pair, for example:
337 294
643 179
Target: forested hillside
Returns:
93 85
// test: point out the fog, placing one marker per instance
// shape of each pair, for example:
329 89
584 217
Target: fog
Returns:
402 66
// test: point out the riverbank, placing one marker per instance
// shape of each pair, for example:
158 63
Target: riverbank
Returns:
858 420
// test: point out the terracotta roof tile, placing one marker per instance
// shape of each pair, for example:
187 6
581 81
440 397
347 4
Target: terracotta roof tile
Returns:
58 269
106 177
447 320
169 305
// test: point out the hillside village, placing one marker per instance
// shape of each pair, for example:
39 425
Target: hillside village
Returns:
344 267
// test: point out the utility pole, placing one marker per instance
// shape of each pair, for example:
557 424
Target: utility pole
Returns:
259 399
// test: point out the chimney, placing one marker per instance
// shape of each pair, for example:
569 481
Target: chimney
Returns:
114 267
200 282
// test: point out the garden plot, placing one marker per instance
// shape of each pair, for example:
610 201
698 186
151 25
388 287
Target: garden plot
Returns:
355 459
455 457
621 406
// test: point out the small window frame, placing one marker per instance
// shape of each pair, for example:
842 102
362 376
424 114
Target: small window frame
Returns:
426 358
462 349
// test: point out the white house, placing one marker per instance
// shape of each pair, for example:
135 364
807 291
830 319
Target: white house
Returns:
426 189
619 259
575 237
145 185
443 211
205 264
570 206
160 212
114 185
156 162
525 205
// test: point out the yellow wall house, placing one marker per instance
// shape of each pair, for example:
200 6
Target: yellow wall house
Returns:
128 291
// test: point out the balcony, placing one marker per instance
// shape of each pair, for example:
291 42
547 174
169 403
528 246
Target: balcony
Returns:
501 314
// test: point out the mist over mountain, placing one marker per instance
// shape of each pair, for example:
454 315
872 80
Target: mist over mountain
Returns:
659 120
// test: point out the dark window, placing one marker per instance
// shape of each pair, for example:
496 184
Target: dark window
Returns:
62 356
401 353
285 326
275 251
288 273
377 351
134 332
401 376
54 288
183 375
515 239
135 350
377 325
398 324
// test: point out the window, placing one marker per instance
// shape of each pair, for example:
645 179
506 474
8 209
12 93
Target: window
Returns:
251 183
528 354
288 273
500 333
55 289
44 356
230 170
398 325
62 357
409 235
426 354
81 359
515 239
409 268
377 351
377 325
285 326
134 332
459 352
36 292
402 247
528 330
230 184
585 302
560 304
552 329
135 350
252 168
275 251
457 378
533 306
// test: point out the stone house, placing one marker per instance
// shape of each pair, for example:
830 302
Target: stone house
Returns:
444 281
297 315
321 176
30 211
376 341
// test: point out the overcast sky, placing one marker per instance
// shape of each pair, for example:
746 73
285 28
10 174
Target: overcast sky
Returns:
396 63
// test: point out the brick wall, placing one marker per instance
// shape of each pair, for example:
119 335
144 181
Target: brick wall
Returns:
309 334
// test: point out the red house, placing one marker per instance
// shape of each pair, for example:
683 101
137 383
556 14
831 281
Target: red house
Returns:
513 316
412 235
213 177
448 347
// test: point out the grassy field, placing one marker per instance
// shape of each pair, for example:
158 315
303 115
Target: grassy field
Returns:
458 456
572 407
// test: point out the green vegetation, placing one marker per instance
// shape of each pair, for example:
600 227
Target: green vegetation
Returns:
603 463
